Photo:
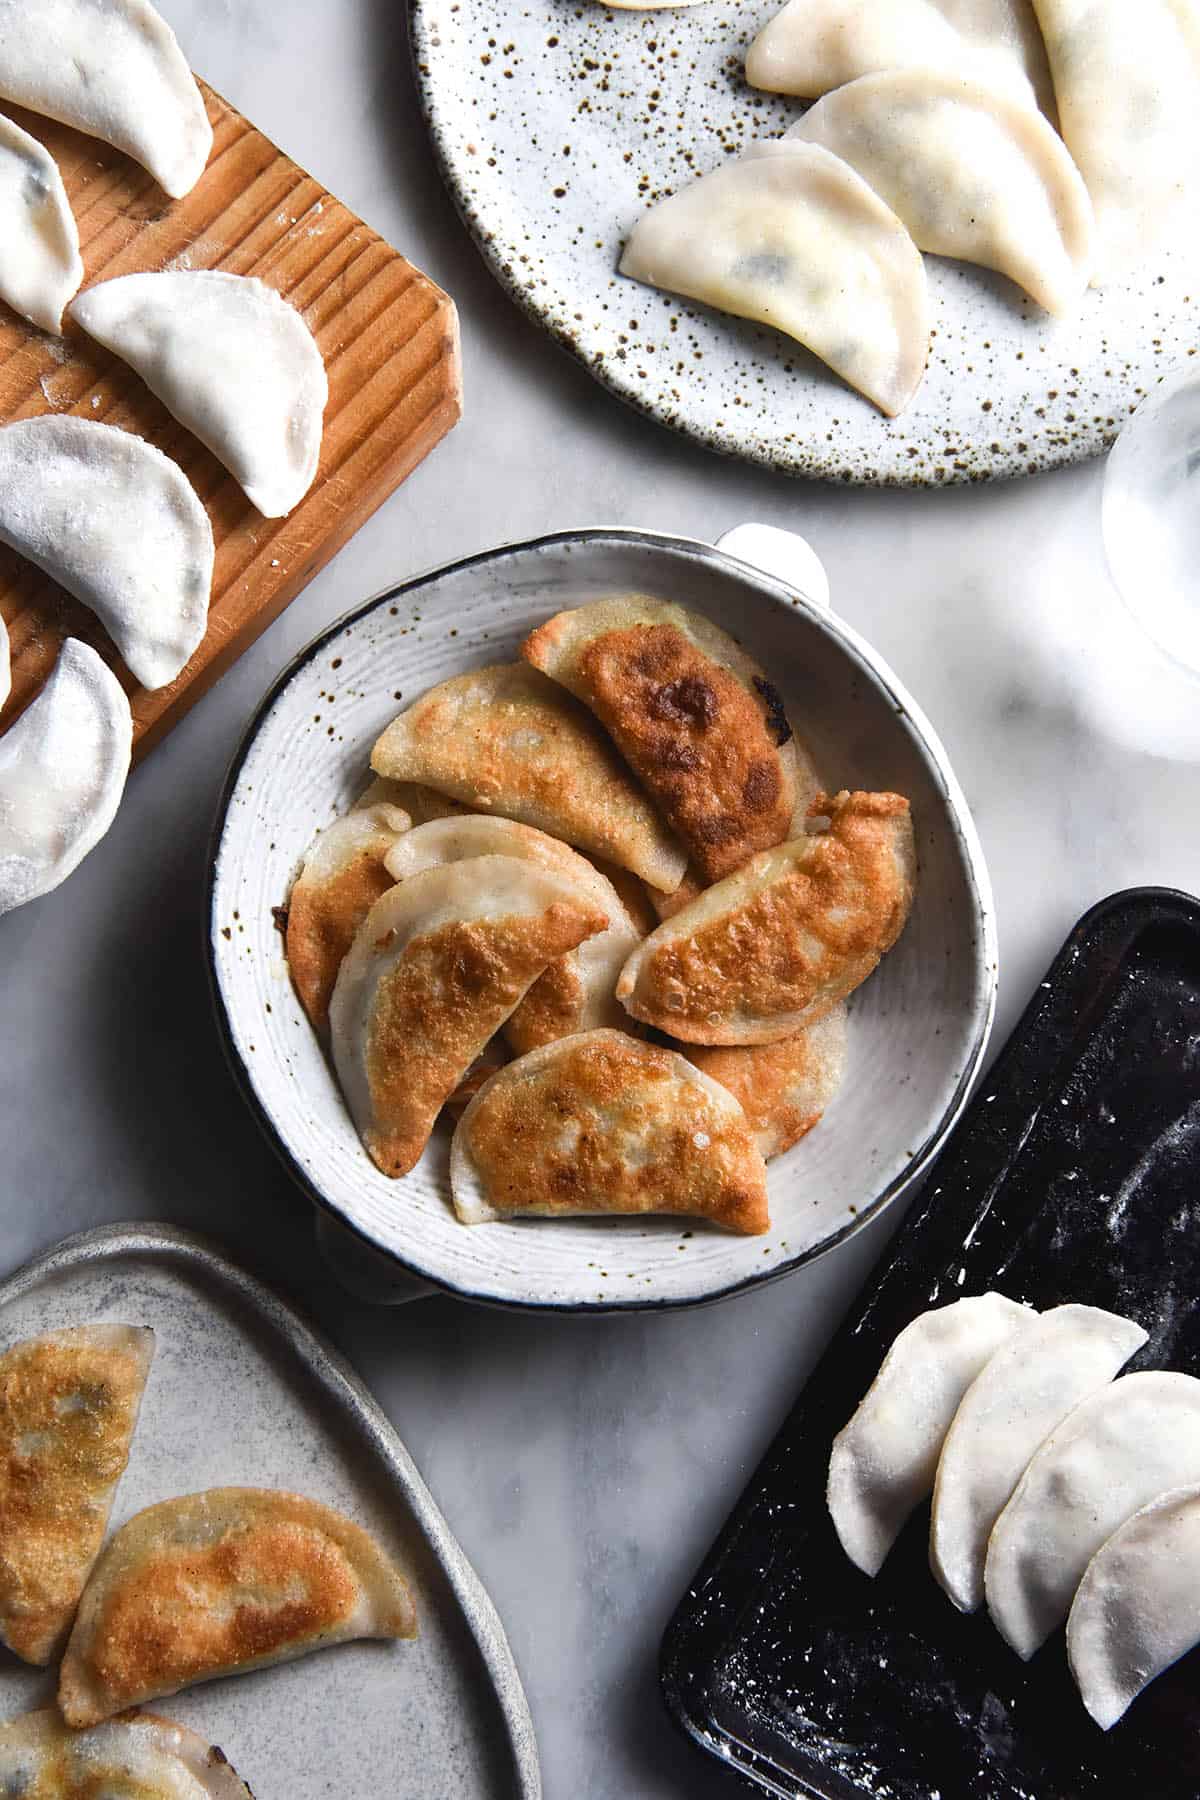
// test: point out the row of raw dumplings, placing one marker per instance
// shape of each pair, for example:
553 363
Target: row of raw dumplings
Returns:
187 1590
929 138
732 907
106 515
1060 1495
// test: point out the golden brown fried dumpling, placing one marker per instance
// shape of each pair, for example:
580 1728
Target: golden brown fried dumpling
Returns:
439 964
578 991
506 740
217 1583
694 716
770 949
68 1407
139 1758
782 1088
340 880
602 1123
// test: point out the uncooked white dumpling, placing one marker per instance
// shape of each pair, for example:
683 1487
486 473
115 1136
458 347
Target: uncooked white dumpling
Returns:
1116 1451
885 1459
970 171
119 526
578 991
802 243
113 69
813 46
1127 83
232 361
62 773
40 265
1138 1606
1025 1391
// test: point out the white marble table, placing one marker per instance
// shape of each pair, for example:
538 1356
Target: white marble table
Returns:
585 1464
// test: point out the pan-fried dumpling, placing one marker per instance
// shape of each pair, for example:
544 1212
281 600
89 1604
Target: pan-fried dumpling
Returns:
782 1088
805 245
1024 1392
232 361
139 1758
813 46
40 265
769 950
1137 1610
1127 83
118 525
420 803
884 1461
340 879
113 69
971 172
62 774
68 1407
438 965
1119 1449
217 1583
506 740
695 718
578 991
602 1123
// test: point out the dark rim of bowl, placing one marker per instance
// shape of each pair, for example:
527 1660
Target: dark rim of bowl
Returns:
957 810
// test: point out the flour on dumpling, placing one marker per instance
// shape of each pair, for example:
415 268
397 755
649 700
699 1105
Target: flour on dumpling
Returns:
40 265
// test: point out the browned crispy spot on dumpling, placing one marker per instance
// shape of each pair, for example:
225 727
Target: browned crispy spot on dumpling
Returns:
68 1407
603 1123
215 1583
339 882
783 1088
771 948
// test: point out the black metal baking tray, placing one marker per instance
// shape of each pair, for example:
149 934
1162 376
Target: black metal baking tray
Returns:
1075 1175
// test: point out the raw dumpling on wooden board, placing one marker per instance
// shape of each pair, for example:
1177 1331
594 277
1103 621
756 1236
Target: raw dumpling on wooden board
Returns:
389 338
40 266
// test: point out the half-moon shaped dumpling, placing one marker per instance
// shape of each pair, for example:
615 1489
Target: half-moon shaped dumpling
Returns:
768 950
602 1123
1025 1391
217 1583
68 1407
693 715
1127 83
1119 1449
118 524
1137 1610
813 46
782 1088
884 1461
439 964
578 991
232 361
113 69
803 245
340 879
139 1758
506 740
40 264
62 773
971 172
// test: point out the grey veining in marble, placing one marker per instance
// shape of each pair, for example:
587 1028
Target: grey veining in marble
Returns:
584 1464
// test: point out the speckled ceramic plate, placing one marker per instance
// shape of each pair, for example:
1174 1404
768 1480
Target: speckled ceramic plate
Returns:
917 1028
241 1392
558 122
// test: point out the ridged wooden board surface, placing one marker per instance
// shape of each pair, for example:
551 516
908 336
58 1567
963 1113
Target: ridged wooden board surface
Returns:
389 337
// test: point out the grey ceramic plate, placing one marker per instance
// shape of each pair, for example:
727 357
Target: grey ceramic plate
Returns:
917 1028
556 124
242 1392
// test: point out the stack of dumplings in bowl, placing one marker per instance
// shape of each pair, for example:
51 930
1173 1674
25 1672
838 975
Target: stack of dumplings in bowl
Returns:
597 909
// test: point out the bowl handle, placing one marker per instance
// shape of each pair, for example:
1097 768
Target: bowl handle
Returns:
363 1272
784 554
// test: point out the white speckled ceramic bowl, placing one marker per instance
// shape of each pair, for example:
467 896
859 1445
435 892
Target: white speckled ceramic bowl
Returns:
558 123
918 1027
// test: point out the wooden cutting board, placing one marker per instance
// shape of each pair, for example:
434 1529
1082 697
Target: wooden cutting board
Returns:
390 342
